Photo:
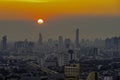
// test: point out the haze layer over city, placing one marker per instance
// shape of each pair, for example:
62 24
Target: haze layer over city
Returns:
59 40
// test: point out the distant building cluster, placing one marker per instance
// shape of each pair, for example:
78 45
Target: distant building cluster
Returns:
112 43
61 59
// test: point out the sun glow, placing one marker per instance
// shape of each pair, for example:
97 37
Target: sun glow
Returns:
40 21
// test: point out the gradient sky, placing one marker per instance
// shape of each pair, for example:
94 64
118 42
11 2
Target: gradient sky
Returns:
94 18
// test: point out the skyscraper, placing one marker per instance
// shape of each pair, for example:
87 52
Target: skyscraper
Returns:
40 40
60 40
67 43
77 38
4 42
71 55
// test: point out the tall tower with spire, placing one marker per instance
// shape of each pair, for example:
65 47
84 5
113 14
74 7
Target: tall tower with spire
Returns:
77 38
40 40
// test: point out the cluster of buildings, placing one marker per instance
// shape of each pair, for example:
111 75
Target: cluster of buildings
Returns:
61 59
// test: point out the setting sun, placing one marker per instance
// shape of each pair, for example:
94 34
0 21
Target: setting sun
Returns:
40 21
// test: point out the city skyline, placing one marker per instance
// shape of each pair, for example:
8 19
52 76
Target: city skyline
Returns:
59 39
77 39
90 28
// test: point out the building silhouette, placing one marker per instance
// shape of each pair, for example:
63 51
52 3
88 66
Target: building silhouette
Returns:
24 46
60 41
4 42
40 40
77 38
71 55
67 43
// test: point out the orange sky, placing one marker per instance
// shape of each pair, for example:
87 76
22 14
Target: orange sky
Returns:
33 9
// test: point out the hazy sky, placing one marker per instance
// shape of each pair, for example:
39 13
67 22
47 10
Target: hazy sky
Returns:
94 18
33 9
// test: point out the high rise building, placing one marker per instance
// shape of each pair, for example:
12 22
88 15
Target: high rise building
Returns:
72 72
40 40
71 55
50 43
95 53
113 43
60 41
4 42
67 43
24 46
77 38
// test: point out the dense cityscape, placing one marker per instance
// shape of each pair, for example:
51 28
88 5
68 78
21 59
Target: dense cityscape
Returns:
61 59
